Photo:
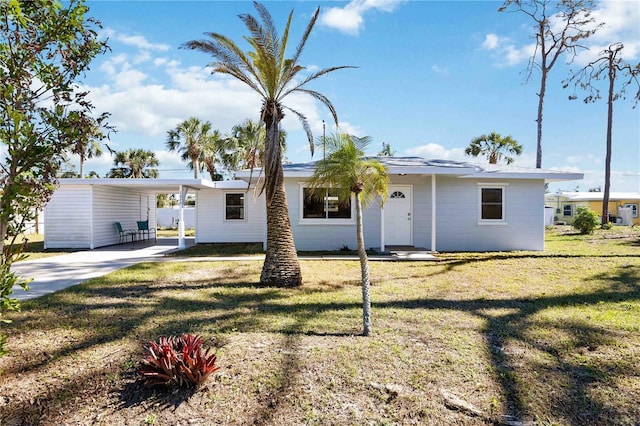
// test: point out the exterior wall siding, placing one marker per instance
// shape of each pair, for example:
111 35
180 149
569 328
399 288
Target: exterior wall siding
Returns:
84 216
309 237
67 219
211 226
111 205
457 216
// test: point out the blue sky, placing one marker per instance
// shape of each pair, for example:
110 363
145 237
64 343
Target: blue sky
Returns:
431 76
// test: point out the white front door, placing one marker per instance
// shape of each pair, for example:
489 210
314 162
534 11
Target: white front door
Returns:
398 217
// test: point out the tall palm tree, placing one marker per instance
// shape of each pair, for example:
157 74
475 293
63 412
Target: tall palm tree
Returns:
134 163
212 153
267 71
347 172
189 138
494 147
87 144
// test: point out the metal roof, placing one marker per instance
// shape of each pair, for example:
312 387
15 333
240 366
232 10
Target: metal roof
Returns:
423 166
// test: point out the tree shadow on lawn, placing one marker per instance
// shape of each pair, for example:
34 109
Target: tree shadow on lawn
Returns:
121 313
573 401
453 261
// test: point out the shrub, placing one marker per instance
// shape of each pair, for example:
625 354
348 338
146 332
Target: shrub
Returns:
585 220
177 361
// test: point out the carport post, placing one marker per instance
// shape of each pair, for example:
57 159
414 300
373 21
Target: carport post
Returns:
183 196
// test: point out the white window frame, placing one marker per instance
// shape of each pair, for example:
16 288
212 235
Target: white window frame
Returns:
244 206
501 186
634 207
324 221
564 206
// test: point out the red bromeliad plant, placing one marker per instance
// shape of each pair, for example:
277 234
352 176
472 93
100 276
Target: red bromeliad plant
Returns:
177 361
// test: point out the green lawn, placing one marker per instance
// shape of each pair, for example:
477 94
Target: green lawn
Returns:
551 337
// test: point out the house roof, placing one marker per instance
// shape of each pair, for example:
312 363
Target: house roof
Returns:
423 166
595 196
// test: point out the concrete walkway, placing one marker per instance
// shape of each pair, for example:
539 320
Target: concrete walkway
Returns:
55 273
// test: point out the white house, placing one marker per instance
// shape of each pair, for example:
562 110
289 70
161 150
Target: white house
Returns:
435 204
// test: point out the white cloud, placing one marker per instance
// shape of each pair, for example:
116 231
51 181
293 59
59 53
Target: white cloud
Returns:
440 70
589 158
350 18
135 41
437 151
620 20
505 50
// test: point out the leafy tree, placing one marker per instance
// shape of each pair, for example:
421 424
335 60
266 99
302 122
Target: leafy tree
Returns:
609 65
347 171
268 71
494 147
189 138
45 48
134 163
559 28
585 220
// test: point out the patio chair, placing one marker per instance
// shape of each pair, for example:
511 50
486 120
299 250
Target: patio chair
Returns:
143 228
125 233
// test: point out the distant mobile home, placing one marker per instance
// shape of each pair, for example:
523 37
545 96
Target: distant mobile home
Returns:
438 205
622 206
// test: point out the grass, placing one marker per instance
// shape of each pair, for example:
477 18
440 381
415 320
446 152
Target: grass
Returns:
34 248
551 337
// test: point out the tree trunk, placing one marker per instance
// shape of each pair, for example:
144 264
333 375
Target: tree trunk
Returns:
543 89
364 269
607 161
281 267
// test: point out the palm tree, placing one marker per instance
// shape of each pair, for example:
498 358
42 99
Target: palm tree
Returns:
189 138
87 144
267 71
347 172
494 146
213 149
134 163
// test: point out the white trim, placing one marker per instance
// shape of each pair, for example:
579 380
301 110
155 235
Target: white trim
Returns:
302 221
499 222
224 207
382 247
433 213
183 195
91 219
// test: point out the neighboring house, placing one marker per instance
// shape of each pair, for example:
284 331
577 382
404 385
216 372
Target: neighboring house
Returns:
566 204
435 204
439 205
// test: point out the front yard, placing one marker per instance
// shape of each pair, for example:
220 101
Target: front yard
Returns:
476 338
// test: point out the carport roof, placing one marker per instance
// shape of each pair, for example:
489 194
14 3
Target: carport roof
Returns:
155 185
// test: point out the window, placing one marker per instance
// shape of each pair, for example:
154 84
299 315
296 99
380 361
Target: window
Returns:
329 206
492 205
633 207
234 206
567 210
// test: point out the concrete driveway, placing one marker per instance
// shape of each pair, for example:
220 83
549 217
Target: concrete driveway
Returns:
57 272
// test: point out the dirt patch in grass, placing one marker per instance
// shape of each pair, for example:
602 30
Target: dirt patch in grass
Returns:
473 339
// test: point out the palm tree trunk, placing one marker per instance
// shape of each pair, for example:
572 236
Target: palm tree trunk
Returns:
281 267
364 269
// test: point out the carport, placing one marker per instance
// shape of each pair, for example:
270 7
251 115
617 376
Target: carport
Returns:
82 212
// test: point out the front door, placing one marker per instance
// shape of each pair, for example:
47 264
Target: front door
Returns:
398 217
